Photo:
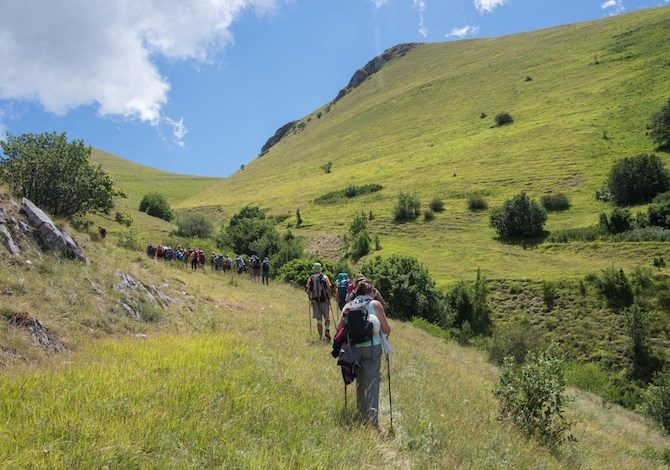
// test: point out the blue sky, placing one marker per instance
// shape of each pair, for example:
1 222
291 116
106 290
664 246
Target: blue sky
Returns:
197 87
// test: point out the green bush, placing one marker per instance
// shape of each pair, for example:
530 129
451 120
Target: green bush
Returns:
520 216
193 224
513 341
583 234
637 326
476 203
155 205
348 193
55 174
128 240
468 304
360 246
503 119
661 197
123 218
615 288
649 234
619 221
407 208
358 224
408 289
659 262
659 127
428 215
658 215
637 180
296 271
437 205
378 243
555 202
656 401
80 222
532 397
549 295
327 167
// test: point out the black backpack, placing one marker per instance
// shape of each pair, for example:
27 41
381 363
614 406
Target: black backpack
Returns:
359 326
265 265
255 263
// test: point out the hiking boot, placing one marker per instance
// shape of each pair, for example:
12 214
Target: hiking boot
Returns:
327 335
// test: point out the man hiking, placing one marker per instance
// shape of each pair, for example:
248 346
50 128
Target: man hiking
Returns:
255 263
318 289
265 271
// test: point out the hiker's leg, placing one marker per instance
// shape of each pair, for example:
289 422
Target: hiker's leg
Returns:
326 311
316 314
367 383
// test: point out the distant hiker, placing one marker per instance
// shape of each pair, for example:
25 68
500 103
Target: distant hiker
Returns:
151 250
180 255
265 271
241 265
342 292
212 261
160 252
363 321
227 264
318 289
201 259
102 232
255 263
193 259
219 262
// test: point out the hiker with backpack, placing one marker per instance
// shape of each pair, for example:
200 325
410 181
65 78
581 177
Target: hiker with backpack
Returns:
241 265
376 294
265 271
255 263
362 325
318 290
342 292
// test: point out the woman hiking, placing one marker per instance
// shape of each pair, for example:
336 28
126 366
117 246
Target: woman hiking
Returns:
369 352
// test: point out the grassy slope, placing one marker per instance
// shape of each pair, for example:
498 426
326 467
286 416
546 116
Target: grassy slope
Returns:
137 180
415 127
215 385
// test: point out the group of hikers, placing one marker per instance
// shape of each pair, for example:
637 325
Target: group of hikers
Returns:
361 333
218 262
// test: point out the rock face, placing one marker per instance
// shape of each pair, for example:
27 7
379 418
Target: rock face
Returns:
49 235
279 135
134 293
42 335
8 241
374 66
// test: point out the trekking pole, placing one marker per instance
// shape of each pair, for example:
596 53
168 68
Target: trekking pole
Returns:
309 313
388 369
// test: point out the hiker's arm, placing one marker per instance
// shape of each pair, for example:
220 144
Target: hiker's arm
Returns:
309 281
383 322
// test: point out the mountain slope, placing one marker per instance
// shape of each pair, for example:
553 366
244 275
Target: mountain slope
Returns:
415 126
214 384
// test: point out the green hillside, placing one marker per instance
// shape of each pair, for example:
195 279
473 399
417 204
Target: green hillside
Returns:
214 385
415 126
137 180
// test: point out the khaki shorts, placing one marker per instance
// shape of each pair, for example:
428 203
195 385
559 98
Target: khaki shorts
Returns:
321 309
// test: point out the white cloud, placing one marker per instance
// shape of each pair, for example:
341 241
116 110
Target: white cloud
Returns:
68 53
614 6
487 6
379 3
462 32
421 6
179 130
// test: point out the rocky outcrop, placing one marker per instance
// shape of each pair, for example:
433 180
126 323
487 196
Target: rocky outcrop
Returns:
279 135
6 236
40 334
374 66
135 293
51 238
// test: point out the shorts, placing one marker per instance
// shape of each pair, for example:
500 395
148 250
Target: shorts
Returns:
321 309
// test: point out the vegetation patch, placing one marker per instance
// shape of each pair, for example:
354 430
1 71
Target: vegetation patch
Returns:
347 193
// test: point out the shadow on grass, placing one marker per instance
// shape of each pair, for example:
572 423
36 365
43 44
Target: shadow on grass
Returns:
524 242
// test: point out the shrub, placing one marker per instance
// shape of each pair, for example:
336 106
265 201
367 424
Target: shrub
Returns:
193 224
615 288
619 221
638 179
512 341
659 127
80 222
407 208
659 262
531 396
468 304
55 174
548 295
128 240
360 246
348 193
656 401
658 215
428 215
583 234
649 234
408 289
503 119
298 218
155 205
437 205
555 202
520 216
358 224
371 215
123 218
662 197
296 271
476 203
327 167
378 245
637 326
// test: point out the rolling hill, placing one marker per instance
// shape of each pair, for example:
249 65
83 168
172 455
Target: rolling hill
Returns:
580 95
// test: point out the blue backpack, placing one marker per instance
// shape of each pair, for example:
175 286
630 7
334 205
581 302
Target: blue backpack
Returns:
342 285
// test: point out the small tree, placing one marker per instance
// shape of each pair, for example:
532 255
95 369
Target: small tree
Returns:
520 216
407 208
503 119
615 287
636 180
437 205
656 402
358 224
476 203
298 218
327 167
637 324
659 127
155 205
378 244
428 215
360 246
194 225
658 215
619 221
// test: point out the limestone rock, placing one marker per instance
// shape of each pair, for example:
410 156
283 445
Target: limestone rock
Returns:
42 335
8 241
134 293
49 235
